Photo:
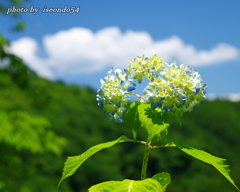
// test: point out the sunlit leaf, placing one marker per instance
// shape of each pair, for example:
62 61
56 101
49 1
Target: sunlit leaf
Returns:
73 163
127 185
219 163
154 121
163 178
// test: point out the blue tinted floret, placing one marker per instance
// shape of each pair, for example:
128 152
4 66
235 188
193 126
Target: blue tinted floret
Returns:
112 97
171 87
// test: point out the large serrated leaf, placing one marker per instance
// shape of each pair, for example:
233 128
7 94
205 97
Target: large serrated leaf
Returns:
127 185
73 163
154 121
132 118
163 178
177 115
219 163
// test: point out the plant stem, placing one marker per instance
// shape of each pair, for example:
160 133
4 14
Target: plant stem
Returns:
131 93
145 161
149 145
132 140
161 146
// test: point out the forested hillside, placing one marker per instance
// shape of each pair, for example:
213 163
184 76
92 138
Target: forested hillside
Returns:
43 122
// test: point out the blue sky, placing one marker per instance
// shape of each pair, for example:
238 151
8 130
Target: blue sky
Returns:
81 47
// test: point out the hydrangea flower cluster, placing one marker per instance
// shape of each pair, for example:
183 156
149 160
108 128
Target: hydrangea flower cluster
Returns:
171 87
112 97
142 67
175 87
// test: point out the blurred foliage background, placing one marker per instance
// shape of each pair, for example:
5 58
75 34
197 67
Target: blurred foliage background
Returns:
43 122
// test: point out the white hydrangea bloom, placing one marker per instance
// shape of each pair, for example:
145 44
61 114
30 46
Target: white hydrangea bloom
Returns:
170 87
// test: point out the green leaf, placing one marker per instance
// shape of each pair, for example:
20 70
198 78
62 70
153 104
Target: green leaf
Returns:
154 121
219 163
177 115
127 185
25 131
73 163
3 41
132 118
163 178
19 26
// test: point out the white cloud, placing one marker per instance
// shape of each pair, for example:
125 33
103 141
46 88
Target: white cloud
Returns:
79 50
27 48
234 97
211 96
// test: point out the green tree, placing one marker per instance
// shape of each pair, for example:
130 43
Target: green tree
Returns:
5 4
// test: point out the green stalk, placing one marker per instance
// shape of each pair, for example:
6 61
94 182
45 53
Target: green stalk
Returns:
131 93
145 161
